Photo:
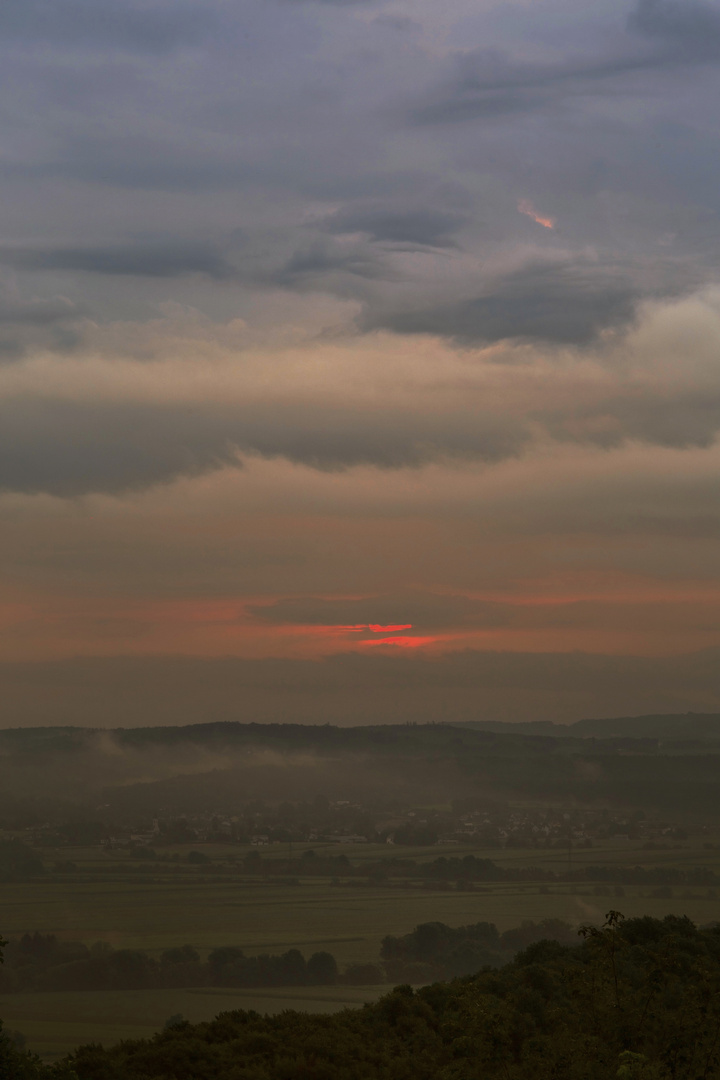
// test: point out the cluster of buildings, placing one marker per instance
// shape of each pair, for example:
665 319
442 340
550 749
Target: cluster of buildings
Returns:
485 826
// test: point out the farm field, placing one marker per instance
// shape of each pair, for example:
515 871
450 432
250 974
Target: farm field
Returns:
349 921
166 905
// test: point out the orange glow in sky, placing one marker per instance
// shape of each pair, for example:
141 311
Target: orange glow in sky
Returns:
527 208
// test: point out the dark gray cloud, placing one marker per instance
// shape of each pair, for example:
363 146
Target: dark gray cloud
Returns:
287 259
682 419
71 448
688 30
74 449
401 23
421 226
131 159
490 85
332 3
53 323
487 83
316 261
68 448
357 689
166 260
566 303
17 312
108 24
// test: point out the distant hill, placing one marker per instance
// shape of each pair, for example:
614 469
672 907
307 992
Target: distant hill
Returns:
530 727
220 765
664 726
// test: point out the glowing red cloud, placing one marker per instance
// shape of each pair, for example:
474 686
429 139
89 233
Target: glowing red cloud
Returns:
527 208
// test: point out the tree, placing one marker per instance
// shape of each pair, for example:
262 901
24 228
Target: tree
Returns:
322 969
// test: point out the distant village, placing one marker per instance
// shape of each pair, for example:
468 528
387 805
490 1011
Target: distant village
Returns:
491 825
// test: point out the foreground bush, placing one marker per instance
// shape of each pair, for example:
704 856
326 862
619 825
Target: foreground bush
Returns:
18 1064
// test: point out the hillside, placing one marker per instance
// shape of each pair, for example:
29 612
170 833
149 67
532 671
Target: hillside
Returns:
667 727
199 766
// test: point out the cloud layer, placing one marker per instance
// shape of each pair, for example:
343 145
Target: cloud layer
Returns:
337 328
358 690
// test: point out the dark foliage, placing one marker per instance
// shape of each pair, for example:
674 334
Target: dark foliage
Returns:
638 1000
17 1064
41 962
435 951
431 951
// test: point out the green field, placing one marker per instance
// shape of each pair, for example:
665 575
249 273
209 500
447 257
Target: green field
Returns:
110 898
349 921
166 905
155 907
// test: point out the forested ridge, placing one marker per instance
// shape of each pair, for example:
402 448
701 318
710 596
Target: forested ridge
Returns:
670 768
637 999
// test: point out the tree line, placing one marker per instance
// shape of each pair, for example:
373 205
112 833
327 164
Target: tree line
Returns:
18 862
39 962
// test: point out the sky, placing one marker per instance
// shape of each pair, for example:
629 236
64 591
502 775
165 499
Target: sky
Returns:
359 360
